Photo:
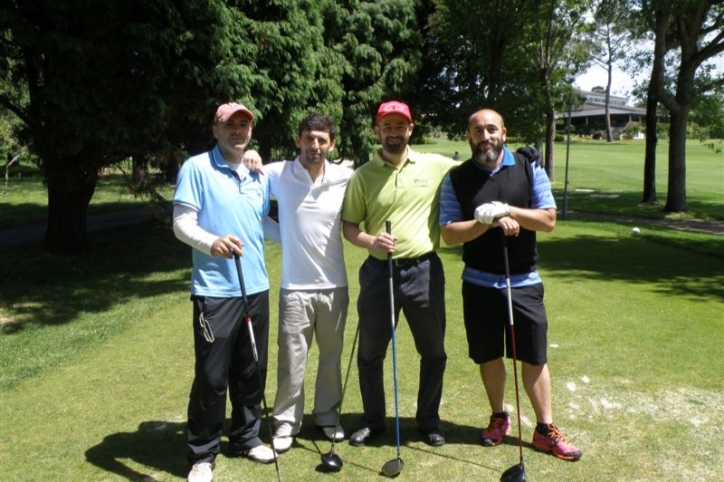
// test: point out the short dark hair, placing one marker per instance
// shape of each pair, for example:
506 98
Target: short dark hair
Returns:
318 122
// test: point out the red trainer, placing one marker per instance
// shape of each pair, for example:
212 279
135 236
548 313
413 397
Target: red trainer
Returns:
556 443
498 427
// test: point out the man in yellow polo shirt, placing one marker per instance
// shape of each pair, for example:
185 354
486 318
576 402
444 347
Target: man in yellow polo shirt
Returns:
401 186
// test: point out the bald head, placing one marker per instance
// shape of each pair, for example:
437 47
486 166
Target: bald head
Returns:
486 136
486 116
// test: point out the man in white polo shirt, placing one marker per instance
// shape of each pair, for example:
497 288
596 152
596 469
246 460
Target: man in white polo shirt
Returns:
313 299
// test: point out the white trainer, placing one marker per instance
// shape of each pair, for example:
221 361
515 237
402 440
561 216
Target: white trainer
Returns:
332 434
283 444
201 472
261 454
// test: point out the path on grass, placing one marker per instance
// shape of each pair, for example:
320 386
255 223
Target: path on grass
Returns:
34 233
694 225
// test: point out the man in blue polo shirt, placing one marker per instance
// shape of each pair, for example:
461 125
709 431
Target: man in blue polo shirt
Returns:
494 199
218 210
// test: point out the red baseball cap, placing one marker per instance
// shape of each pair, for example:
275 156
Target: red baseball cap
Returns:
227 110
393 107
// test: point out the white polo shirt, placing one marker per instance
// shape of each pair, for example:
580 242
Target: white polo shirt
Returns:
310 224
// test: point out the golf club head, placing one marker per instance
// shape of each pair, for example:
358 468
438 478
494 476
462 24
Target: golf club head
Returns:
332 462
392 468
514 474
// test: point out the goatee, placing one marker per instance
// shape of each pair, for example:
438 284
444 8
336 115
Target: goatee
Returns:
486 157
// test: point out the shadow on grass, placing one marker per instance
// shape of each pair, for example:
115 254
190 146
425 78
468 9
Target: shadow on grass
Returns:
676 266
53 290
161 446
156 445
665 268
629 204
22 214
311 439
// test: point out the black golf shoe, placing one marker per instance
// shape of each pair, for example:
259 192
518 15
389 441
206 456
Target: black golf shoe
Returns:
433 436
363 435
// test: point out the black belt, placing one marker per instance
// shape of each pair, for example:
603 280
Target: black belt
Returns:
405 262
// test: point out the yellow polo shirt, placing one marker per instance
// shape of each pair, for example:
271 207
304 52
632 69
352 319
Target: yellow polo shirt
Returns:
407 195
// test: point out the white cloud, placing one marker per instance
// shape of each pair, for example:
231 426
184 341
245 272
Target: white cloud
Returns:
621 83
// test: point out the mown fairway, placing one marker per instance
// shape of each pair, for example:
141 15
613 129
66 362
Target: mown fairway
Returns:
96 357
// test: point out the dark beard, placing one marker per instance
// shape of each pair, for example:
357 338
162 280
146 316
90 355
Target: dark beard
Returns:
395 148
486 157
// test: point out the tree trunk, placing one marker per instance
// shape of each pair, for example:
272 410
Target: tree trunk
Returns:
265 151
652 102
676 194
550 164
607 116
140 168
650 156
550 119
69 195
171 166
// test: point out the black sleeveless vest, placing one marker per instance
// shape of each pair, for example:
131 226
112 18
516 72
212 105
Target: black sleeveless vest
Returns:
511 185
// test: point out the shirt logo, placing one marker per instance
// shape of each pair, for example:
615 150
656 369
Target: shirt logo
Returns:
421 183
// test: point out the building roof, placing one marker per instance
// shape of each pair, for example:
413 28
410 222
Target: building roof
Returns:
595 105
588 110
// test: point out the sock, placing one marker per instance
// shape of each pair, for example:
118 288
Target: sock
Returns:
503 414
542 428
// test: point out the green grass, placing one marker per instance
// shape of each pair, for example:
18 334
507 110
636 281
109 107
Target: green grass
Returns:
608 177
96 362
26 198
603 178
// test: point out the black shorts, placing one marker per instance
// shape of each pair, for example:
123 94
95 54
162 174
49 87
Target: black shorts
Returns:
487 326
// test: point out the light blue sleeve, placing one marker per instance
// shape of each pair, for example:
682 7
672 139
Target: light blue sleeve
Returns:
542 196
189 191
450 210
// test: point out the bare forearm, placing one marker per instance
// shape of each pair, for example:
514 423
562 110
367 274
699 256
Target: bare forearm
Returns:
384 242
462 231
534 219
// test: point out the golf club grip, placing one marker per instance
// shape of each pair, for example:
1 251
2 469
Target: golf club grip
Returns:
388 230
252 338
390 270
239 271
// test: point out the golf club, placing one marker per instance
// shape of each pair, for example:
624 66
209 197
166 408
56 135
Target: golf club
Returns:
331 461
394 466
256 359
516 473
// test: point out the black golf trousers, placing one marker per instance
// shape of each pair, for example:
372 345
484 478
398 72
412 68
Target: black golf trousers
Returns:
225 360
419 292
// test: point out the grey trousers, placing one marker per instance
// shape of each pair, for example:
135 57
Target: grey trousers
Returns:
304 314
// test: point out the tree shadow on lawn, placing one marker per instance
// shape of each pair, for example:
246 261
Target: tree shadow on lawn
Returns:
161 446
51 290
310 438
156 445
635 259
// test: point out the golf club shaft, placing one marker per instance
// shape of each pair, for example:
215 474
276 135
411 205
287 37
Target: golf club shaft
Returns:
388 228
512 339
344 387
255 353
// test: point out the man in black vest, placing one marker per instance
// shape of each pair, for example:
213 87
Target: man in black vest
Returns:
494 199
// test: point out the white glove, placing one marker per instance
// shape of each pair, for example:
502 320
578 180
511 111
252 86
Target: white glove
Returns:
487 213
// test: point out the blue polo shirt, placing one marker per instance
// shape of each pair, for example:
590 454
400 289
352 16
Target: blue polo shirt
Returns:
450 211
227 202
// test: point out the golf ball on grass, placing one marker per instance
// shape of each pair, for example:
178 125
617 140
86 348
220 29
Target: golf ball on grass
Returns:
636 231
